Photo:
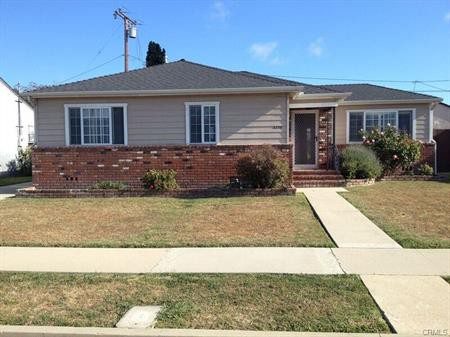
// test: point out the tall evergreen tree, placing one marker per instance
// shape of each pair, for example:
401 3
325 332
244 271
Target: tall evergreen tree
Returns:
155 54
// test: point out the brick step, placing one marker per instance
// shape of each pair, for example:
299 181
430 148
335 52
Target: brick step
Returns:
320 183
318 177
315 172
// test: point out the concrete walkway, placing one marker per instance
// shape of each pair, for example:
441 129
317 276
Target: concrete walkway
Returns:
227 260
346 225
412 304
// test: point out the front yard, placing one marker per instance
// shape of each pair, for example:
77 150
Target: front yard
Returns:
160 222
256 302
416 214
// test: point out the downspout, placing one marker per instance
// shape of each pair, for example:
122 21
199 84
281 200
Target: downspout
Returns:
334 138
430 138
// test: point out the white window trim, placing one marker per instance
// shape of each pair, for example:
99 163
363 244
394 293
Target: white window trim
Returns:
396 110
96 105
188 126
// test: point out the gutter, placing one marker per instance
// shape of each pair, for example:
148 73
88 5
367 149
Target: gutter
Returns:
393 101
174 92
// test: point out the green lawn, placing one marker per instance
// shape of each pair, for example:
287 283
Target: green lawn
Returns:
414 213
160 222
211 301
13 180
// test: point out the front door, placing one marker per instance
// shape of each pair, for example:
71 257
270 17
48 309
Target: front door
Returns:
305 140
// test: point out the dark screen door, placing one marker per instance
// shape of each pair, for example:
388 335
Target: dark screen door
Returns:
305 139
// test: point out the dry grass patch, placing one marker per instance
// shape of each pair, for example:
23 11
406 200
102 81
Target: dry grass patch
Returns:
415 213
256 302
160 222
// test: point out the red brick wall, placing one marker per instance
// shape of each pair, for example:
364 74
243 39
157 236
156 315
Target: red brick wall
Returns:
196 166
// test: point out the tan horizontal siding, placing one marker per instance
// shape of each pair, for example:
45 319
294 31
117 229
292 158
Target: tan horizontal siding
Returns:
422 118
243 119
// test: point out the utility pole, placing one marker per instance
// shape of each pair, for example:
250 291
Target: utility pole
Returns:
19 124
129 30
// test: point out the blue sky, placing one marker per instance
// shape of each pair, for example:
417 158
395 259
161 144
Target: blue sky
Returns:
48 42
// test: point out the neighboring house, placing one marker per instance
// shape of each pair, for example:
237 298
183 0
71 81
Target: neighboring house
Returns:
198 120
441 116
16 124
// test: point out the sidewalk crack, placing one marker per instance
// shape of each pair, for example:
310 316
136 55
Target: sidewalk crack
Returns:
337 260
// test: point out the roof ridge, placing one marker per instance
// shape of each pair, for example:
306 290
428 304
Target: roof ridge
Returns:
265 77
238 72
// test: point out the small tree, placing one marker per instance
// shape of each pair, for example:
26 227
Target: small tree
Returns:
394 149
155 54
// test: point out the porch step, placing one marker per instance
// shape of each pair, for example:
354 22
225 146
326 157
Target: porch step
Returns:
317 178
320 183
315 172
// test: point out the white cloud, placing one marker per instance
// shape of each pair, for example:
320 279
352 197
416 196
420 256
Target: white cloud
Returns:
264 51
219 11
447 17
315 48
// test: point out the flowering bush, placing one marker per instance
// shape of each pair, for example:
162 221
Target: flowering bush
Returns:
394 149
160 180
358 161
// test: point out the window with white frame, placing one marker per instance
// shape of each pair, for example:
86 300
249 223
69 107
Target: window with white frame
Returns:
378 119
96 124
202 122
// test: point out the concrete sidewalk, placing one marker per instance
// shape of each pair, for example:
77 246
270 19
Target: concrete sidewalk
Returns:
227 260
412 304
59 331
346 225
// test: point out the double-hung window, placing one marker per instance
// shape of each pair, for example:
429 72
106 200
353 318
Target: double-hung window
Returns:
202 122
96 124
359 121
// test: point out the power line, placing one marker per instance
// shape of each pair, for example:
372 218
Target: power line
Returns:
116 30
89 70
434 87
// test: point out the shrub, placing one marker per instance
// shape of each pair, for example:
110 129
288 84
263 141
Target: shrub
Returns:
263 168
22 164
425 170
358 161
11 168
24 161
110 185
160 180
393 149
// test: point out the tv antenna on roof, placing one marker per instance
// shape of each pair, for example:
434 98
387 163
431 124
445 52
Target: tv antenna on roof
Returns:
129 30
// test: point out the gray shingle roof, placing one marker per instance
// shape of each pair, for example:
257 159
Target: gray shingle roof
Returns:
170 76
307 88
370 92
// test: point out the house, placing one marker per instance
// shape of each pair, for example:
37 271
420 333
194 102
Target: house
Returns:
198 120
16 124
441 117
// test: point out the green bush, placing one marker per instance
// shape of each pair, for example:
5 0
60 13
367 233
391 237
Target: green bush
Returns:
21 166
425 170
160 180
394 149
359 162
110 185
263 168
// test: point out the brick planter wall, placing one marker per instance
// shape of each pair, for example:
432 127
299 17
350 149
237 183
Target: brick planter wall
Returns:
82 167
